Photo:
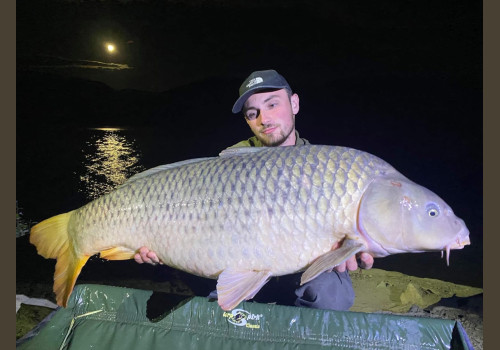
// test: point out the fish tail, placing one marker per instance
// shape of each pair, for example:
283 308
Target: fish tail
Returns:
51 239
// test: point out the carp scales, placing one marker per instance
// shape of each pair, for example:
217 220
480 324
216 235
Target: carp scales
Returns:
253 213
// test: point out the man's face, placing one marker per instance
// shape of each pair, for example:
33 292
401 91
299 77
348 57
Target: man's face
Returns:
271 117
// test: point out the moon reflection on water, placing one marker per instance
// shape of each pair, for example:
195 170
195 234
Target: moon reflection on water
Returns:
110 158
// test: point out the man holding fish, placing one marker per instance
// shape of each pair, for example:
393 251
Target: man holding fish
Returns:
269 107
253 213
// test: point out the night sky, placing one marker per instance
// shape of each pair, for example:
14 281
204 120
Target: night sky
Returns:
399 79
161 45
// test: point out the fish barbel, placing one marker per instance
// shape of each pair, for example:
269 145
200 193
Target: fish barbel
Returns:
253 213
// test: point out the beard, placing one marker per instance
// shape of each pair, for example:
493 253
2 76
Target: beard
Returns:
275 139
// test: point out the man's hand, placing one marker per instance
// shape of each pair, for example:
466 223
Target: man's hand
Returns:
146 256
351 264
365 262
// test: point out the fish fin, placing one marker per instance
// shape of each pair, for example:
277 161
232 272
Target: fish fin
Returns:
236 151
234 286
51 240
331 259
117 253
161 168
68 268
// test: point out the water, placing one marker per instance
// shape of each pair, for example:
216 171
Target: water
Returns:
110 158
68 167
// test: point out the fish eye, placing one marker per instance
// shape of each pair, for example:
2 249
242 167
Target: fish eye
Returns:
433 210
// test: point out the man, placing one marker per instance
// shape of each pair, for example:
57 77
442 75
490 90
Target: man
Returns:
269 107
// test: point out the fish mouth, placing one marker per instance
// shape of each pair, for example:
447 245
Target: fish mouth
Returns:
460 241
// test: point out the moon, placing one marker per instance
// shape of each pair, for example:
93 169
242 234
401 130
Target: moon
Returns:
110 47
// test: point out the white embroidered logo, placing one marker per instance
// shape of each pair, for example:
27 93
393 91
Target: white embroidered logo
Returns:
254 81
243 318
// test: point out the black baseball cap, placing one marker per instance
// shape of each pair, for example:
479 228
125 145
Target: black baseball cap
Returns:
259 80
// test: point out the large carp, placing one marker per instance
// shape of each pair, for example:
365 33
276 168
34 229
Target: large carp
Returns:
253 213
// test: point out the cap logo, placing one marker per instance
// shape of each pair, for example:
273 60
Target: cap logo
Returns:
254 81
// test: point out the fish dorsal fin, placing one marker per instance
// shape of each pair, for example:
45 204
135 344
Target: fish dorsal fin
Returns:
238 151
234 286
163 167
331 259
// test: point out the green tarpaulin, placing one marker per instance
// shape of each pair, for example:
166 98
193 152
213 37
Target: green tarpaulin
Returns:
105 317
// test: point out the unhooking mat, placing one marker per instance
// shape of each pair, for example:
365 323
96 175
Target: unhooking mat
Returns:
105 317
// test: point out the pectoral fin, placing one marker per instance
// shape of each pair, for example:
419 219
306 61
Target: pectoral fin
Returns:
331 259
234 286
